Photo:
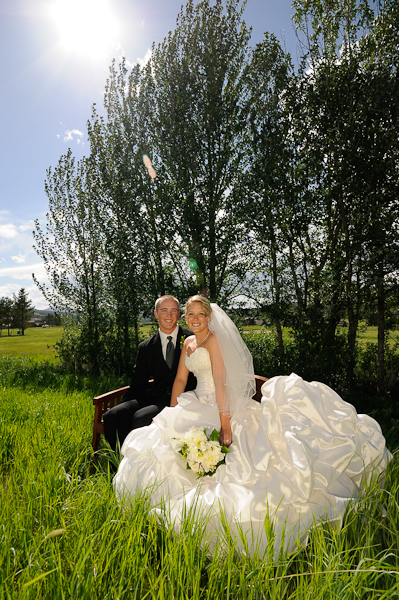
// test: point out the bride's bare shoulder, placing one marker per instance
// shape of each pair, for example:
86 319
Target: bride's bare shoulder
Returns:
212 346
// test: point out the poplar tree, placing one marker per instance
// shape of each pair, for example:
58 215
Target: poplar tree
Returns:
72 248
344 111
199 128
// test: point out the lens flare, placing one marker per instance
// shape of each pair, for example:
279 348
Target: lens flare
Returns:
192 263
148 165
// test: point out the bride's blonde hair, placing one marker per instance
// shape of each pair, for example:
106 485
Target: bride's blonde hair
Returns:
206 305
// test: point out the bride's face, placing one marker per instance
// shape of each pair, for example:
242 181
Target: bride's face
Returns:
196 317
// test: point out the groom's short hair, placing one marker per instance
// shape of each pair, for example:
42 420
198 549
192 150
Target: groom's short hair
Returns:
166 297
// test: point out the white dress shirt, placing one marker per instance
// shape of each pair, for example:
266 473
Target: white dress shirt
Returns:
164 339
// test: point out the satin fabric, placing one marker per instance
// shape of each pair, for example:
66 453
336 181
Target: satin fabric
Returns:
297 458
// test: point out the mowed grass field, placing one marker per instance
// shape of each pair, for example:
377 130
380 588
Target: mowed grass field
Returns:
36 341
40 342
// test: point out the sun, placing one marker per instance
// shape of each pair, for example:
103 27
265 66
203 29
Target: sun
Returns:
86 26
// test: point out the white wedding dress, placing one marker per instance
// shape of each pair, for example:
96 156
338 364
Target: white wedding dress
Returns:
297 458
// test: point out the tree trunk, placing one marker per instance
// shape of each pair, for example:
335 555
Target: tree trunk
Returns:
393 378
280 342
381 385
277 289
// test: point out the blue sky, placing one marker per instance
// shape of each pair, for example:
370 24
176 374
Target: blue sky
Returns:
54 67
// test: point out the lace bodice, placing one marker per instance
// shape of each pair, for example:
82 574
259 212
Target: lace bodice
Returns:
199 363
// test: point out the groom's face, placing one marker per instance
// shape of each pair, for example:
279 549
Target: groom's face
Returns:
167 315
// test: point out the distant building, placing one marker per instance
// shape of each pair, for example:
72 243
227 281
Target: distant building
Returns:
36 321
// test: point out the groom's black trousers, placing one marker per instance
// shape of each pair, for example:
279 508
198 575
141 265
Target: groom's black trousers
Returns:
128 415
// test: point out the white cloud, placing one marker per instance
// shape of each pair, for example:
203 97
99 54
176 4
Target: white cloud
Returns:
20 258
70 133
16 241
116 47
16 253
27 227
143 61
34 294
9 289
21 276
25 272
8 231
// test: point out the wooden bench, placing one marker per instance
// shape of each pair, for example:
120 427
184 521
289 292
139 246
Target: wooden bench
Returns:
109 399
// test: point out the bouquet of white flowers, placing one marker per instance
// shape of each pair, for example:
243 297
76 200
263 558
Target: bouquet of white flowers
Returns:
203 454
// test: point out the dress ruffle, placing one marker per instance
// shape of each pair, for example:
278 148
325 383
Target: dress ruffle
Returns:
298 457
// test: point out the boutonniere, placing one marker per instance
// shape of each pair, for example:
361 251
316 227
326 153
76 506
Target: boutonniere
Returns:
182 340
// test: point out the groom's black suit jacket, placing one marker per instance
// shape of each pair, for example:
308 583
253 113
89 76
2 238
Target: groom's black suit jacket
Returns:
150 364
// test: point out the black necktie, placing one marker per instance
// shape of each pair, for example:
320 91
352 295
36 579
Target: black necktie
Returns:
170 352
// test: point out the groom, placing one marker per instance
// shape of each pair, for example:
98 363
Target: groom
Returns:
157 359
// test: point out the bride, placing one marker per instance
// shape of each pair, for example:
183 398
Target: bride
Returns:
296 459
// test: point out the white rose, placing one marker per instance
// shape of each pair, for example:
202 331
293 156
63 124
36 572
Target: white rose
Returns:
195 436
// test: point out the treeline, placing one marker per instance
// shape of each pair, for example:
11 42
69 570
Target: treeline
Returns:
276 184
15 312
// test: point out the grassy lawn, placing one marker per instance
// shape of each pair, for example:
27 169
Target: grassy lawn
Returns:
36 341
370 334
63 534
40 342
364 336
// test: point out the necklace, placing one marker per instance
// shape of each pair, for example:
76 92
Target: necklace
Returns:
204 340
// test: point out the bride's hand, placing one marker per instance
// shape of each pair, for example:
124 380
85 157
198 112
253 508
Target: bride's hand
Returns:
225 437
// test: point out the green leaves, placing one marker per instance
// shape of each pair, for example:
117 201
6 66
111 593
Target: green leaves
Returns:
214 436
278 183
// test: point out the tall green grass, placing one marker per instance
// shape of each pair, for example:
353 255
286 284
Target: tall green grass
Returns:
63 535
35 373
